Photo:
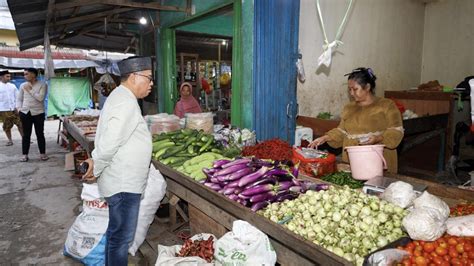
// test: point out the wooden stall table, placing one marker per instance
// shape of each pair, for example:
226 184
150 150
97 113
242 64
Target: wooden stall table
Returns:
77 134
213 213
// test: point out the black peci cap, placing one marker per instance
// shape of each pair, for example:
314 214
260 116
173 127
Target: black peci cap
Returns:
134 64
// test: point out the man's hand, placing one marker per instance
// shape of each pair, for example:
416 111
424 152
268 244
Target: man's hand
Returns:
28 87
89 175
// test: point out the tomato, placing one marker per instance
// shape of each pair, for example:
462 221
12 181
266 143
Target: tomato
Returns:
455 261
445 263
420 260
471 255
429 247
453 253
441 251
443 244
467 246
452 241
406 262
460 248
410 245
417 253
447 258
438 260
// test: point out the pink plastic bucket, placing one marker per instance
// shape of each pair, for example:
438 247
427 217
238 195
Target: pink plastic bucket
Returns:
366 161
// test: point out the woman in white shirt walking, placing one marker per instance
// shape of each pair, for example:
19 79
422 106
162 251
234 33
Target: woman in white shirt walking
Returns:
30 103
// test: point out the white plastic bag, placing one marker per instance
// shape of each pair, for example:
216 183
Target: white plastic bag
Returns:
387 257
426 200
86 238
167 255
244 245
424 224
399 193
204 121
154 192
461 226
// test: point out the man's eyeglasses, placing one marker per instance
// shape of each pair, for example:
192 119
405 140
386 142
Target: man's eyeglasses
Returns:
150 78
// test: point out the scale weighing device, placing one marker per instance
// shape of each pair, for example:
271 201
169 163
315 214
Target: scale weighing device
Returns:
378 184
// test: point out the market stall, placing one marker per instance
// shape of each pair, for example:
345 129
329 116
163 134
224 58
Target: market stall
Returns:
222 212
80 128
212 210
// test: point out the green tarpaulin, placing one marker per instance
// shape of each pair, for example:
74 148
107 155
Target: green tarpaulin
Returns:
67 94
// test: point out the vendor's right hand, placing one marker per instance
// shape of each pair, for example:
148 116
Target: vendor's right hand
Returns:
319 141
89 175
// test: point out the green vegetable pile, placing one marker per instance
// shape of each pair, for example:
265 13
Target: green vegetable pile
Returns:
345 221
324 115
175 148
193 167
343 178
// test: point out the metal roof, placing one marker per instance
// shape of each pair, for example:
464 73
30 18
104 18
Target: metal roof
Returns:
38 53
91 24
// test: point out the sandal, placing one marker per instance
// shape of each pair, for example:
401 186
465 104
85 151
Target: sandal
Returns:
24 159
9 143
44 157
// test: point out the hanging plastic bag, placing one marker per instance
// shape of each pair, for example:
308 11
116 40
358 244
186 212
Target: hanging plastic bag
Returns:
300 68
105 84
244 245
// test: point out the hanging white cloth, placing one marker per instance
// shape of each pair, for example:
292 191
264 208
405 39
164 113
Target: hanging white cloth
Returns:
325 57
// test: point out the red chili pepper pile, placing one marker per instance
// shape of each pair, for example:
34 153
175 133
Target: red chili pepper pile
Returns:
275 149
201 248
462 209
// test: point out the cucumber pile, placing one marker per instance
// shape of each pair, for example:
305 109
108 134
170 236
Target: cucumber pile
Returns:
193 167
175 148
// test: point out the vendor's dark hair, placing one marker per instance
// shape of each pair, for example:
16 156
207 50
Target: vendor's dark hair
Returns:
32 70
363 76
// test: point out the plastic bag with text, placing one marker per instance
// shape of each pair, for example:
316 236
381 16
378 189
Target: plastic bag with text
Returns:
86 239
244 245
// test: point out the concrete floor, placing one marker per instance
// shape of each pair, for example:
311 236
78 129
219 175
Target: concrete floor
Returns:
38 202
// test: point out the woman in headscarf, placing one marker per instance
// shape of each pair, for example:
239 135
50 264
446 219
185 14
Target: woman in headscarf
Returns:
187 103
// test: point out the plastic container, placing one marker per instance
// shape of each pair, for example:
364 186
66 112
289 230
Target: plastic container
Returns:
366 161
314 167
162 123
204 121
301 133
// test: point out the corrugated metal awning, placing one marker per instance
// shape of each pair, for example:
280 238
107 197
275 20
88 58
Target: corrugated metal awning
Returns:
109 25
39 63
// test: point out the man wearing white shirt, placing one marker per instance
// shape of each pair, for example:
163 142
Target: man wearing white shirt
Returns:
122 155
8 110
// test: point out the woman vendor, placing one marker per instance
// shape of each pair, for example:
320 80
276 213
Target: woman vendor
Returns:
368 120
187 103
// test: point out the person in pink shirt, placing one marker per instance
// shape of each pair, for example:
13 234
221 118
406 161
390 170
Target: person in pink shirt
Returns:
187 103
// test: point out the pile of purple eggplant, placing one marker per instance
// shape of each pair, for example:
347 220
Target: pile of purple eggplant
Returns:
256 183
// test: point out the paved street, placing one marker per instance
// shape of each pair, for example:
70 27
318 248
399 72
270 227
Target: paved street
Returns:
38 202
